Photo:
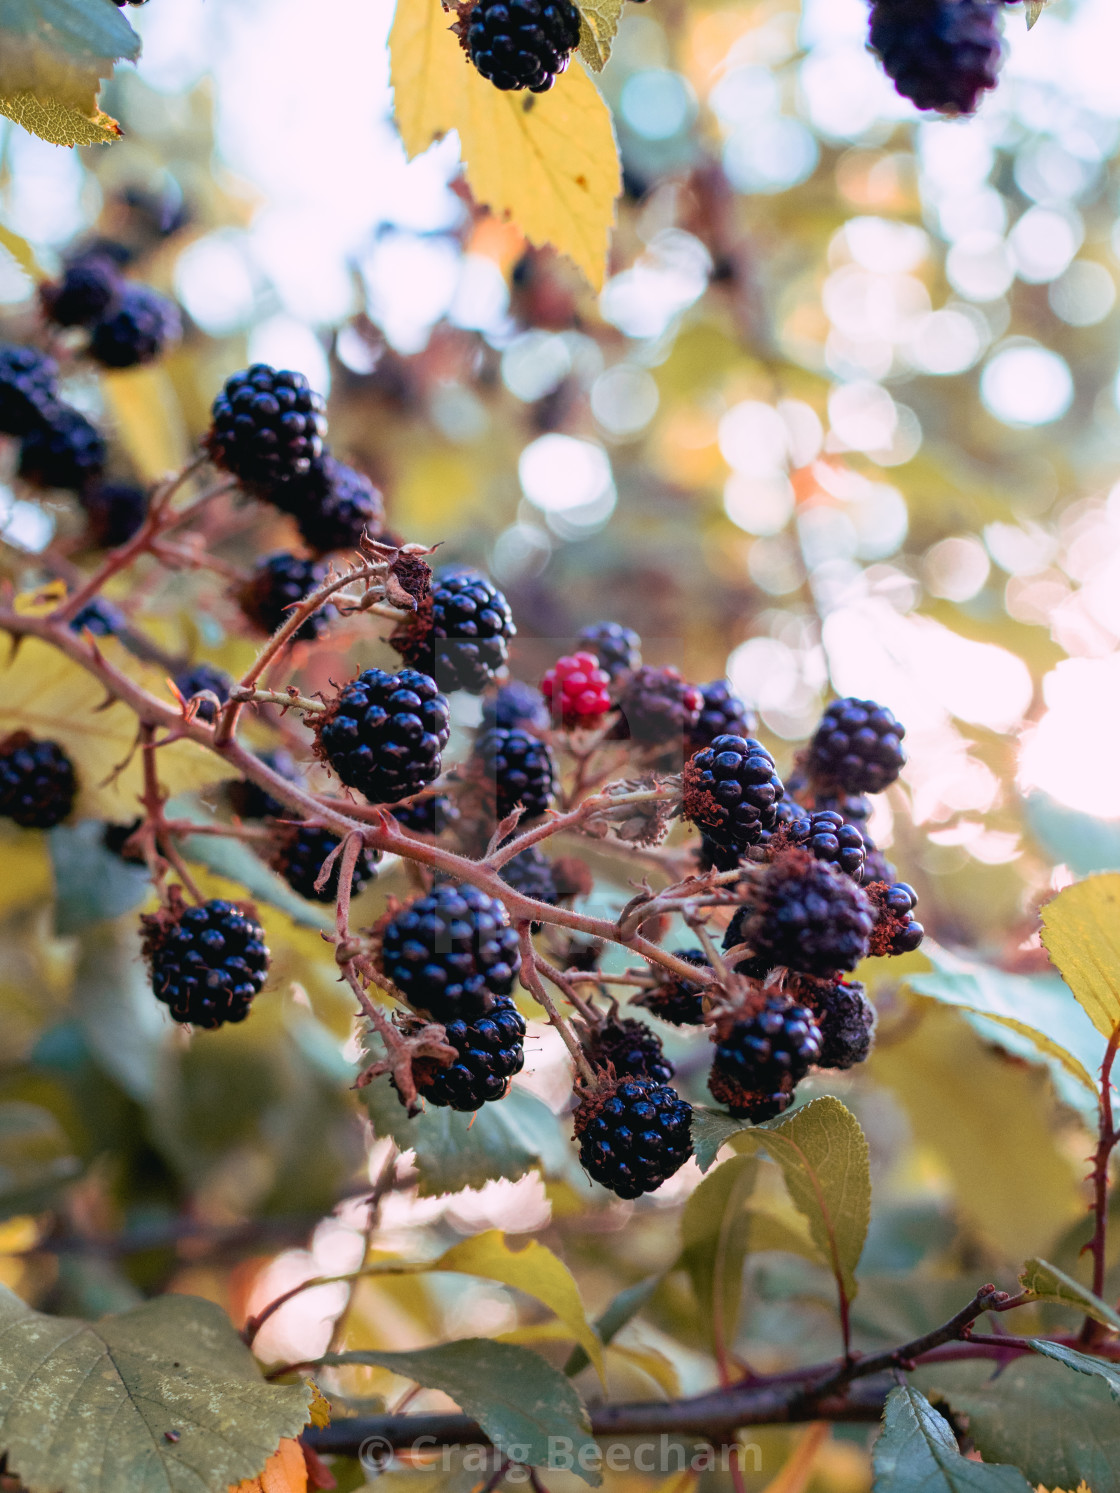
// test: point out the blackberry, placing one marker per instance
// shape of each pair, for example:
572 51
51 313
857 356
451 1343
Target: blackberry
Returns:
249 801
942 54
633 1135
384 733
804 914
138 330
618 648
28 397
827 836
37 781
846 1019
64 452
516 707
298 857
207 962
657 708
857 747
461 634
338 506
448 952
521 770
576 690
277 586
115 838
99 617
674 999
721 714
896 932
731 790
428 816
759 1062
115 511
633 1049
519 44
204 679
267 428
491 1050
84 295
531 874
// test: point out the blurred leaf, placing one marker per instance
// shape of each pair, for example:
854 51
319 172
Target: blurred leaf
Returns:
123 1022
1076 840
147 419
622 1310
84 1404
549 161
598 26
1049 1283
1081 933
518 1399
1034 10
90 882
1081 1363
284 1472
36 1157
25 868
53 56
918 1453
714 1244
23 254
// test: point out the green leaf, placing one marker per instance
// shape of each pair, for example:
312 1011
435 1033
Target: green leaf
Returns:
120 1018
1081 933
81 29
90 882
1049 1283
621 1311
87 1405
711 1130
598 27
1076 840
523 1404
36 1157
714 1229
917 1453
1082 1363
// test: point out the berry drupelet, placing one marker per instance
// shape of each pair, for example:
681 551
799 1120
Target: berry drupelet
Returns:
138 330
657 708
37 781
277 586
516 707
203 679
461 633
207 962
267 428
762 1058
87 290
677 1000
618 648
896 931
115 511
828 838
518 44
491 1050
28 398
731 790
298 857
65 451
577 691
520 770
384 734
721 714
633 1049
857 748
804 914
942 54
633 1135
335 506
449 952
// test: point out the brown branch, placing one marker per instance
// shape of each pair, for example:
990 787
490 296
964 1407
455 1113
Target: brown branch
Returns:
1107 1137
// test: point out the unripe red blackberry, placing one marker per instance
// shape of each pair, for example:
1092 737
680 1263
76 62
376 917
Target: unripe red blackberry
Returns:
334 506
277 586
428 816
298 857
828 838
857 748
804 914
576 689
207 962
633 1049
37 781
633 1135
674 999
28 393
731 790
384 734
87 290
267 428
519 44
491 1050
516 707
461 634
137 330
449 952
66 451
721 714
846 1019
204 679
759 1062
618 648
520 769
115 511
657 708
531 874
942 54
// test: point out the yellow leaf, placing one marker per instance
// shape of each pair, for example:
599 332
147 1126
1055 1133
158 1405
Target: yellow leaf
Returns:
59 123
25 869
1081 932
23 254
284 1472
548 161
148 419
598 26
320 1407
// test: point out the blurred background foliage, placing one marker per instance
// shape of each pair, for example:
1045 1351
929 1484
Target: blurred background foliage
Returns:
844 418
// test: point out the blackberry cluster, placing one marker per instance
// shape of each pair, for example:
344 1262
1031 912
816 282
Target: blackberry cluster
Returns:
99 617
618 648
576 689
519 44
65 451
28 398
657 708
633 1049
829 839
676 1000
428 816
207 962
731 790
634 1135
857 748
531 874
335 506
114 510
138 330
448 952
759 1062
384 734
491 1051
249 801
521 770
516 707
267 428
278 584
942 54
298 857
84 294
721 714
846 1019
461 636
804 914
204 679
37 782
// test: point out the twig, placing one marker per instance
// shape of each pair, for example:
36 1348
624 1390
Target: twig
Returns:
1107 1137
533 983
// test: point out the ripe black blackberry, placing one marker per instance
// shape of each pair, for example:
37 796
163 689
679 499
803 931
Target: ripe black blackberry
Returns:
618 648
448 952
633 1049
633 1135
516 707
204 679
857 748
87 290
28 396
137 330
531 874
384 734
267 427
249 801
115 511
942 54
846 1019
657 708
277 586
520 770
37 781
828 838
721 714
99 617
298 857
335 506
731 790
65 451
207 962
522 43
491 1051
461 633
896 931
804 914
428 816
677 1000
762 1058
